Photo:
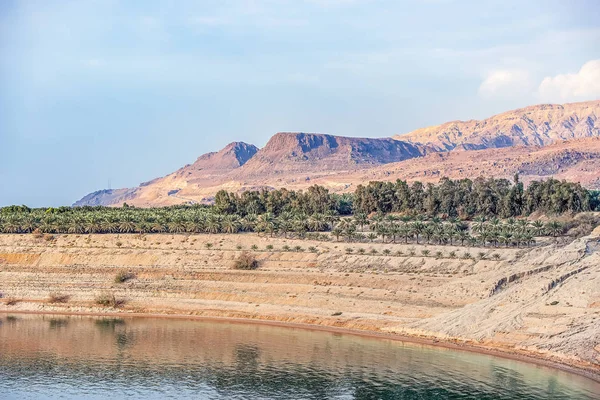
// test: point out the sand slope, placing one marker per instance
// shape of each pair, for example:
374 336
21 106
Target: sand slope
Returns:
509 304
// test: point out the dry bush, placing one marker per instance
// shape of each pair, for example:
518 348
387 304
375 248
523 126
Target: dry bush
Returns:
37 233
245 261
124 276
11 301
48 237
58 298
107 299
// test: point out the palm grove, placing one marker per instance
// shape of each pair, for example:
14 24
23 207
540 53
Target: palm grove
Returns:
481 211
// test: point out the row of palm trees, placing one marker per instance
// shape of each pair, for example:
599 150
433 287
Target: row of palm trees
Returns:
482 231
165 221
360 227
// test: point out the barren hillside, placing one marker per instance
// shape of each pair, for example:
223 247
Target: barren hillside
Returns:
538 141
543 301
530 126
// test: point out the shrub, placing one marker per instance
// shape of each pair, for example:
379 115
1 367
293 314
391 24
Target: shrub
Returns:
286 247
373 251
107 299
312 249
439 254
119 244
452 254
124 276
298 249
412 251
239 247
245 261
387 252
270 247
425 252
58 298
11 301
361 251
467 255
349 250
496 256
254 247
481 255
399 253
208 245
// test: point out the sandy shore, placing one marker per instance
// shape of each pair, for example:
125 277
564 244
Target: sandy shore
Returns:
539 305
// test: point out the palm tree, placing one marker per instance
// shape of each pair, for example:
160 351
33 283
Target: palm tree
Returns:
428 231
249 222
417 228
231 224
317 223
554 228
267 223
349 231
361 220
213 224
403 230
538 228
462 236
479 224
337 232
505 238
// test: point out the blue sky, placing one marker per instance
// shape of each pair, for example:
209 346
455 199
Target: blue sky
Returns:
92 90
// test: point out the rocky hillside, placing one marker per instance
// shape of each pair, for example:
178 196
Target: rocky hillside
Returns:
234 155
310 151
538 141
531 126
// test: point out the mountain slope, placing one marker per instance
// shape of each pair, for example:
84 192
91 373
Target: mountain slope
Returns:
286 152
234 155
538 125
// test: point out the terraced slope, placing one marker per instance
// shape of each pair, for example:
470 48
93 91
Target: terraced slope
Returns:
545 309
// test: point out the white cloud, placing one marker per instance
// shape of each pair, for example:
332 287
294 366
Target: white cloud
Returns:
505 83
583 85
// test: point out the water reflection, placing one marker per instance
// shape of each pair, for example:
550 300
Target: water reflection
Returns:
82 357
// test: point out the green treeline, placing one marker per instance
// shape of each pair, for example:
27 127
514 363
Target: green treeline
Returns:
463 198
314 210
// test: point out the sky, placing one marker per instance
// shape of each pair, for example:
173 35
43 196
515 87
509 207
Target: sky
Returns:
123 91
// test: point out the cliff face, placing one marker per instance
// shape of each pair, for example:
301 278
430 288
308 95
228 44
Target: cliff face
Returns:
311 151
538 125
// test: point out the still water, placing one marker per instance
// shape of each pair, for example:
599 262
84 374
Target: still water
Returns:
85 357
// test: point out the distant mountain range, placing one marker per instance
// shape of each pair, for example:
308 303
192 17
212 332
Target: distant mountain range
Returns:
537 141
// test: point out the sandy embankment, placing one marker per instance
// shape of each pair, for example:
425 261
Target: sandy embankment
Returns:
432 298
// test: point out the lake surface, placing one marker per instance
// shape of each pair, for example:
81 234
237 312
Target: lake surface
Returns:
86 357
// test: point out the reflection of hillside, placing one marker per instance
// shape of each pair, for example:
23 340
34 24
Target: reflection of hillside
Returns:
250 358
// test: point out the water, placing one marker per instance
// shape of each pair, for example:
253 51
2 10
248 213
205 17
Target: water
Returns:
83 357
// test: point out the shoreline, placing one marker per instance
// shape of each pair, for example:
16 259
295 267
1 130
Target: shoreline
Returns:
532 358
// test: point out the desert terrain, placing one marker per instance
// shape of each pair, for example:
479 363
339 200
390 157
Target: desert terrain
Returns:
538 142
541 302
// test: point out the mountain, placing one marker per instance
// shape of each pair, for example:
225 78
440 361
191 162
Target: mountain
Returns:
234 155
288 151
538 141
530 126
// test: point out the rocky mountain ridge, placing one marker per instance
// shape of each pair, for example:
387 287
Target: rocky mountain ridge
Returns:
539 125
571 132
